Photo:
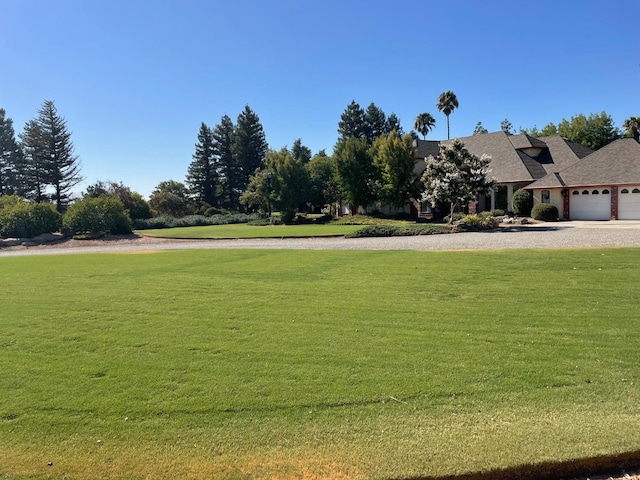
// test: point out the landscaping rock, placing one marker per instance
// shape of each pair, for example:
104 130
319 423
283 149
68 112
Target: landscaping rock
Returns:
10 242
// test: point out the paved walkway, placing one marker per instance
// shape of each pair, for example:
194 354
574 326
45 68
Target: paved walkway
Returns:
547 235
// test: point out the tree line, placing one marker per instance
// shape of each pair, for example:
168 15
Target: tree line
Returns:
233 169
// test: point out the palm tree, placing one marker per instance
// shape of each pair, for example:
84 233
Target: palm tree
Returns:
424 124
447 103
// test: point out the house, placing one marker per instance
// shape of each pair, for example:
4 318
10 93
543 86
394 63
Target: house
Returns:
516 161
604 185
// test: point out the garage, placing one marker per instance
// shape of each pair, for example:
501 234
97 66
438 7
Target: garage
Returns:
590 204
629 203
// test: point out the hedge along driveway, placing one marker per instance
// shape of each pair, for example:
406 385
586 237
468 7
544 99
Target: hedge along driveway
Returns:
358 364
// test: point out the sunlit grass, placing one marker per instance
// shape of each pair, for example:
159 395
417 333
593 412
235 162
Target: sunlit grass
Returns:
243 230
254 364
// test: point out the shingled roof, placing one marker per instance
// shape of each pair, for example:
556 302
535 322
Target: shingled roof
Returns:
516 158
615 164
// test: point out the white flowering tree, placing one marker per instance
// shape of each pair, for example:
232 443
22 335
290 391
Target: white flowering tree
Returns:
456 177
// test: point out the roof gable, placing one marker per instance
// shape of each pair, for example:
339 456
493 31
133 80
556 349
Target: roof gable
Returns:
615 163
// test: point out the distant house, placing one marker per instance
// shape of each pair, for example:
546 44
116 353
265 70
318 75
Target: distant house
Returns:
604 185
516 161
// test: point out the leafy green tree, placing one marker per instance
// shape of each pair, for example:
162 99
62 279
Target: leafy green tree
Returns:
479 130
356 172
594 131
455 177
507 127
447 103
632 127
300 152
424 124
290 180
11 157
324 188
258 193
61 165
134 203
352 122
203 172
97 216
249 148
394 157
171 198
230 182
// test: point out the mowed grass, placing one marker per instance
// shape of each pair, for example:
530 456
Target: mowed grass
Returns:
315 364
243 230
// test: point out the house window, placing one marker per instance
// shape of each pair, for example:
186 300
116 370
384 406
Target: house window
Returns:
605 192
635 190
624 190
585 192
545 194
575 192
595 192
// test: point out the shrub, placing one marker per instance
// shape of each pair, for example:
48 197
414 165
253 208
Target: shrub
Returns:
19 218
166 221
96 217
475 222
547 212
522 202
496 212
288 216
455 217
399 230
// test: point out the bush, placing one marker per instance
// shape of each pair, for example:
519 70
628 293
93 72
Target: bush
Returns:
476 222
166 221
399 230
547 212
22 219
457 216
496 212
522 202
97 217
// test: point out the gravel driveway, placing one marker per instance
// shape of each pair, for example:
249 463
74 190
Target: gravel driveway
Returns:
551 235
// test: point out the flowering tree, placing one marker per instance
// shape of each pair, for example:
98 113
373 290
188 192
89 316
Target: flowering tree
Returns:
455 176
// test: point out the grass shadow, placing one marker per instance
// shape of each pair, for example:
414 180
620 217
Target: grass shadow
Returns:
616 465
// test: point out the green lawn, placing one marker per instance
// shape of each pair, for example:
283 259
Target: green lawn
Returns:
243 230
315 364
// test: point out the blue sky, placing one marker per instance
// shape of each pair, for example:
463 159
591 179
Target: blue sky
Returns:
135 78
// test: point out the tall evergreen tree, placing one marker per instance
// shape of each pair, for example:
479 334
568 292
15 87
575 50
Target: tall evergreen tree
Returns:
50 143
352 122
394 157
34 176
393 123
202 172
10 156
301 152
249 147
228 174
375 122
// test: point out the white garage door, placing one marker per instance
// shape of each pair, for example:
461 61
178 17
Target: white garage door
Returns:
590 204
629 203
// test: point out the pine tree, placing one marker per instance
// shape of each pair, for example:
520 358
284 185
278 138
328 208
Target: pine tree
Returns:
53 163
352 122
10 157
227 171
249 148
375 122
35 172
202 172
